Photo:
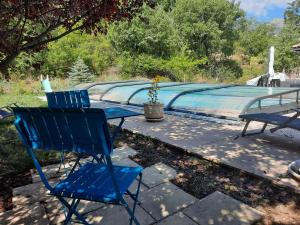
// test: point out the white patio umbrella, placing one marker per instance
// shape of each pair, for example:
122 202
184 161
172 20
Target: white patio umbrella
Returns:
271 71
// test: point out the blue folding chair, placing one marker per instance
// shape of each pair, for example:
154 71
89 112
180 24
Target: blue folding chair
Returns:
68 99
81 131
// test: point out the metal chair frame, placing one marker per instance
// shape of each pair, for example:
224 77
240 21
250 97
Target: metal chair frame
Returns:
54 129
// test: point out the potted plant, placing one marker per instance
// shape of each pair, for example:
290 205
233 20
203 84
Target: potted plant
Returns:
154 110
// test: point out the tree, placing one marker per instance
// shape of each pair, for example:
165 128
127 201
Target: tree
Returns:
255 39
80 73
95 51
292 13
28 25
209 28
285 58
152 32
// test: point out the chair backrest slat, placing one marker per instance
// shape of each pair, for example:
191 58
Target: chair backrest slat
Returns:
77 130
68 99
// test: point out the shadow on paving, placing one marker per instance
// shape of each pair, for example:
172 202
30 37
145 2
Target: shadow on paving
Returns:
200 178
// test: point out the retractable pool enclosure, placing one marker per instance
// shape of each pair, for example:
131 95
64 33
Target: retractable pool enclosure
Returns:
218 100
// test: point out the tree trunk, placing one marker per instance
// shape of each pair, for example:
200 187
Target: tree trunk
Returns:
4 65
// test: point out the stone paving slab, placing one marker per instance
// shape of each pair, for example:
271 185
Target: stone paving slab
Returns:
164 200
265 155
51 171
220 209
54 209
134 185
117 215
123 152
33 215
125 162
180 131
177 219
158 174
31 193
257 156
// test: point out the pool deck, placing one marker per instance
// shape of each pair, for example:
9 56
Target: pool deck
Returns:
266 155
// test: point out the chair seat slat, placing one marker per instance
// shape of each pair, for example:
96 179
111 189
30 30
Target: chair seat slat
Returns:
87 188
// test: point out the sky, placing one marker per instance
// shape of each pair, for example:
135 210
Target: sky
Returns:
265 10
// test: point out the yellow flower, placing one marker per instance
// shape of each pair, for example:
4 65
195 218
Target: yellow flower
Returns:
156 79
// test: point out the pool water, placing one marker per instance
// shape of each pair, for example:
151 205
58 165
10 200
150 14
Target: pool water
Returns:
205 98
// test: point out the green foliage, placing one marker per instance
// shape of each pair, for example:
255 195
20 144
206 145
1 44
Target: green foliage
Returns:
177 68
292 13
13 155
153 91
177 38
285 58
255 39
27 64
167 4
80 73
153 32
225 69
208 27
96 51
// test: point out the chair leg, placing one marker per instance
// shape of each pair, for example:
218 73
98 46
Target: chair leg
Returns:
264 127
245 128
62 159
131 214
136 197
73 205
73 210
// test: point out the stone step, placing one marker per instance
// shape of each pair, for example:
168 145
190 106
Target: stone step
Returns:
177 219
31 193
157 174
165 200
220 209
30 214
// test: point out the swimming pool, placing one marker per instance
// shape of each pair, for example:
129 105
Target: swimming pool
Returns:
217 100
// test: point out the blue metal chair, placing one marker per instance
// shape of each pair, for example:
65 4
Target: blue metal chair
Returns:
68 99
80 131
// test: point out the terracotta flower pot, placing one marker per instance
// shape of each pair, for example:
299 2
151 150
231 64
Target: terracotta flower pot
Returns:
154 111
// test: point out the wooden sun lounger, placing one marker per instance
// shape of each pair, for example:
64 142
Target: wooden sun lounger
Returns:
280 121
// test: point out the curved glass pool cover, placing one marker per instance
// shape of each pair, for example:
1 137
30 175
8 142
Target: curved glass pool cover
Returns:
218 100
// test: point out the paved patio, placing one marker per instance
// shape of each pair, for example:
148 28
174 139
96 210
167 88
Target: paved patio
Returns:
266 155
161 202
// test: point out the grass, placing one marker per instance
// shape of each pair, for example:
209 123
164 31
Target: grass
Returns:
13 158
15 163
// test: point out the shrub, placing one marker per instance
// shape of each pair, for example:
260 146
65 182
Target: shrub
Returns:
224 70
178 68
80 73
96 51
